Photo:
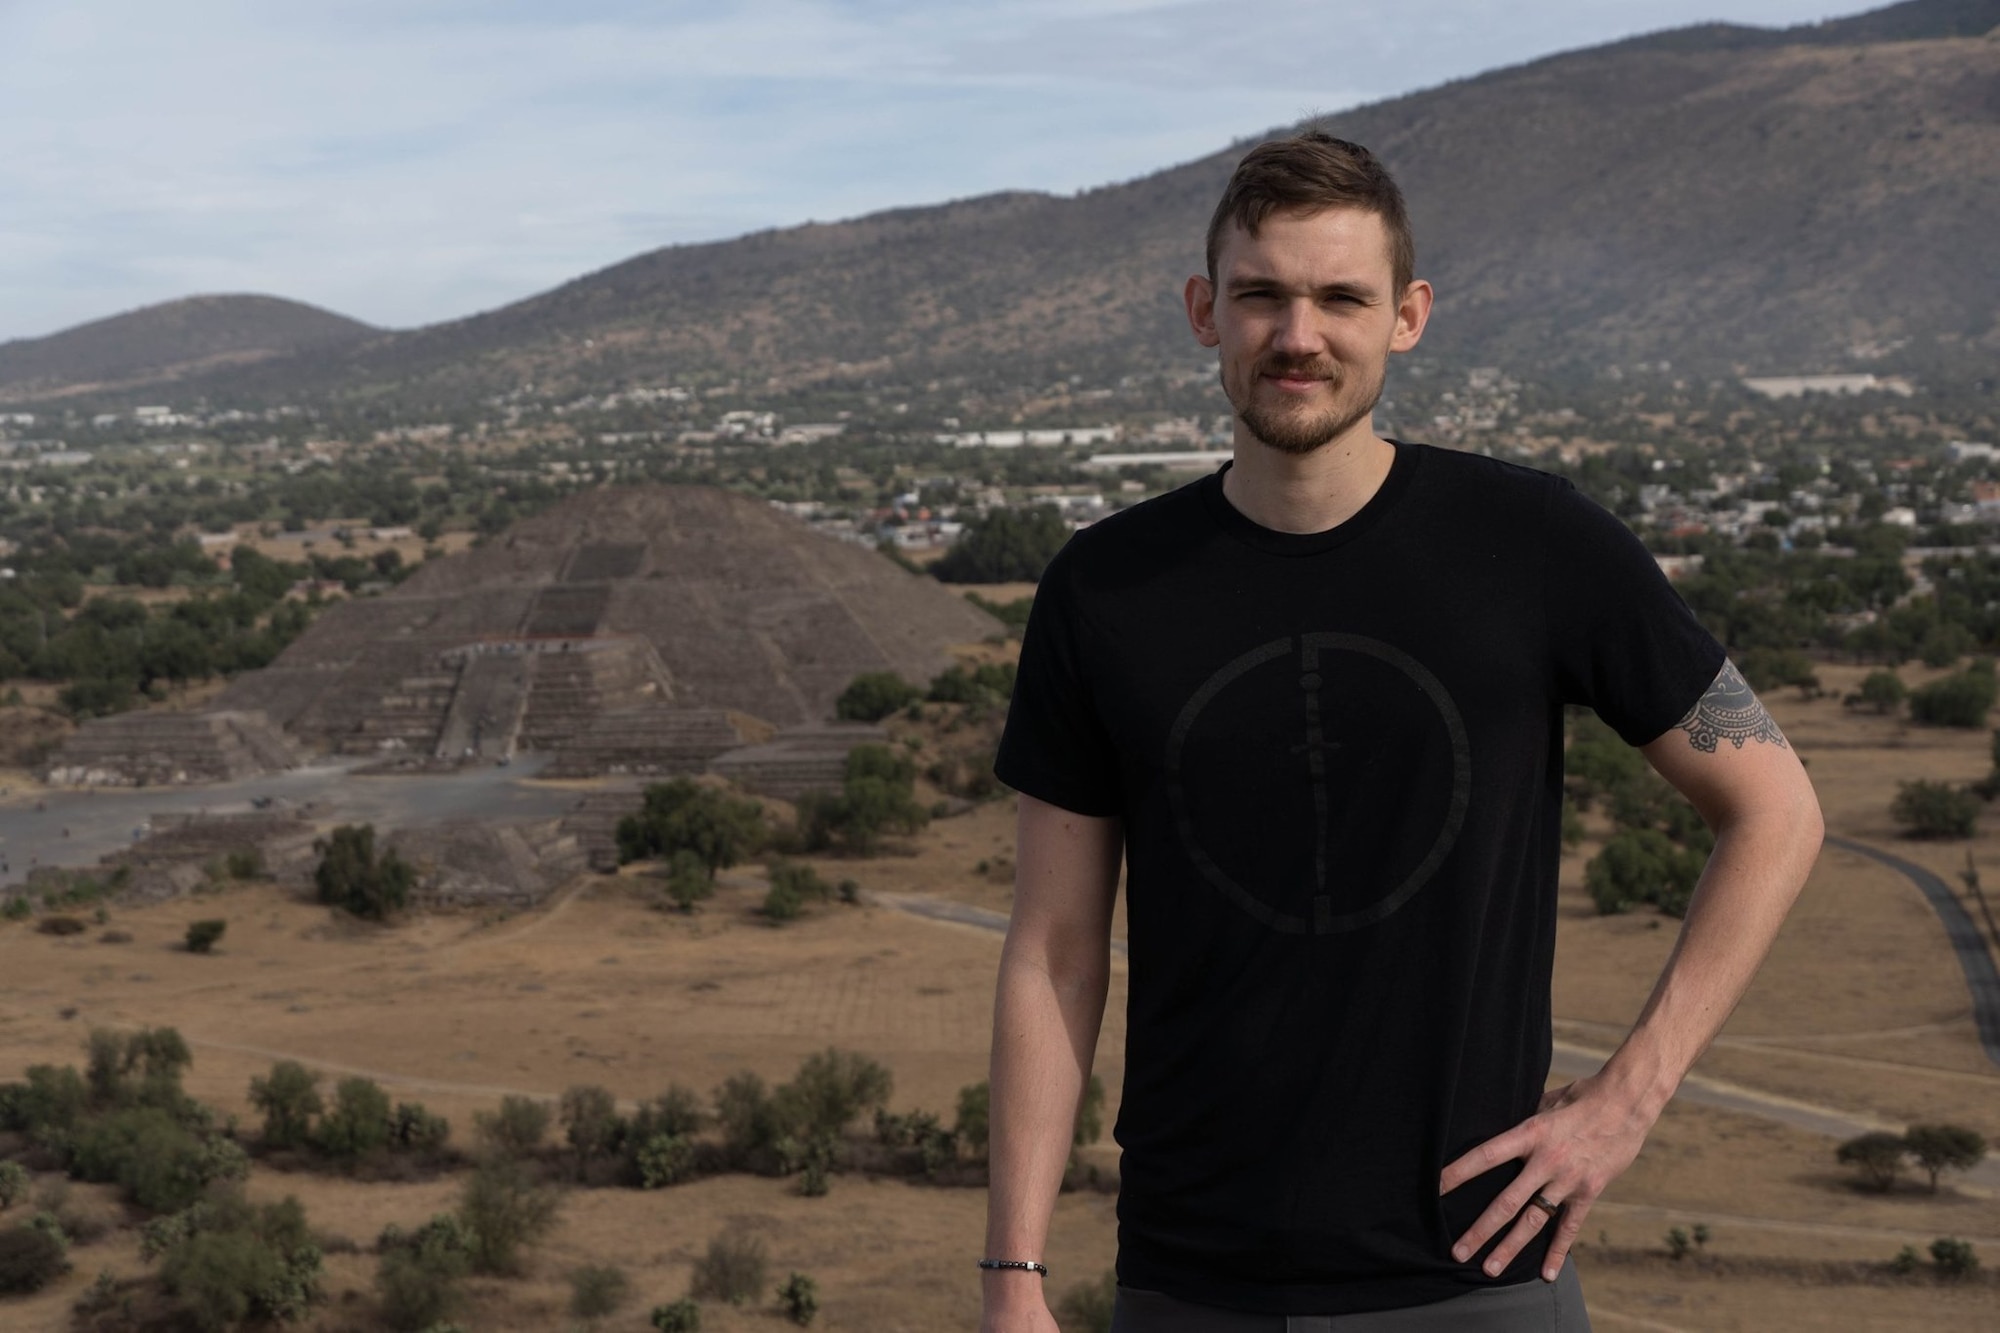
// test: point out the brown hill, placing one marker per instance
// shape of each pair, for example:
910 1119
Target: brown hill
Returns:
625 599
169 341
1718 196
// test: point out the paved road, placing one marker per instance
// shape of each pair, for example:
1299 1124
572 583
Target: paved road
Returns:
1569 1061
1974 959
101 820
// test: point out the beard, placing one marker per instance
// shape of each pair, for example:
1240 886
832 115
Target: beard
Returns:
1296 428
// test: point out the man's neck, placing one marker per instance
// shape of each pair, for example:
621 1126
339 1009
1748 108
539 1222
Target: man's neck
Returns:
1307 492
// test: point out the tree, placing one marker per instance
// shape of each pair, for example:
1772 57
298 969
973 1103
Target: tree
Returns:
1929 809
227 1260
1939 1148
289 1099
358 1121
31 1257
352 877
688 880
830 1089
592 1124
1954 1258
1642 866
974 1116
1882 691
596 1290
13 1184
684 815
202 935
874 695
1960 700
1878 1156
1006 546
517 1128
799 1298
503 1209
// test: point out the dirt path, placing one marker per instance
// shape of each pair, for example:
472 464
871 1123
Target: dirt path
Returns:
1974 959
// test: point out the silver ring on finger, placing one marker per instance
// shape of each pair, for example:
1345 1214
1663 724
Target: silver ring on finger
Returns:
1542 1201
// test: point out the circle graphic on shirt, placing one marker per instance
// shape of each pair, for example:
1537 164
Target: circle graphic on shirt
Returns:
1319 781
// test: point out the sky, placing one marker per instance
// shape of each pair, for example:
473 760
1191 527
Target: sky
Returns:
410 161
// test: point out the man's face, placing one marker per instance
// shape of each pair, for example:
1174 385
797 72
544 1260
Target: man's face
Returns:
1305 314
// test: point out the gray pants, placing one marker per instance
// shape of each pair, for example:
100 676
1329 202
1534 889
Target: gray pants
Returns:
1525 1307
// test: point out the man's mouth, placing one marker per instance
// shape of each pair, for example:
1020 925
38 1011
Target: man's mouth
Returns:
1297 379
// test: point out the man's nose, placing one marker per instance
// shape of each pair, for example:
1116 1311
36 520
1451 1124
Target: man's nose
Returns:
1298 330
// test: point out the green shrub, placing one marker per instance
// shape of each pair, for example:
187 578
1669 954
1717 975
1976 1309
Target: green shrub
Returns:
874 695
231 1260
1954 1258
732 1270
688 880
140 1068
1086 1307
596 1290
782 903
1678 1243
802 879
1090 1113
799 1299
31 1257
358 1121
830 1089
17 908
1928 809
1878 1156
1906 1261
14 1182
504 1210
591 1124
412 1128
988 683
352 877
517 1128
749 1119
48 1105
289 1099
1642 866
1961 700
974 1112
1882 691
665 1159
419 1289
685 815
681 1316
202 936
160 1163
245 863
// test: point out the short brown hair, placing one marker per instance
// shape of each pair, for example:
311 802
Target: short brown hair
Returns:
1312 171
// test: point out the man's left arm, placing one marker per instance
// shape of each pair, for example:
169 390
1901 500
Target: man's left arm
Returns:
1730 760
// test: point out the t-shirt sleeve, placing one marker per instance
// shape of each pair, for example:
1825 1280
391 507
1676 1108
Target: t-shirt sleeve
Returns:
1624 643
1055 746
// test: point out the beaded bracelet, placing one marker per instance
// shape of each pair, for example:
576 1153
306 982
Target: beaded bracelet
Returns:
1025 1265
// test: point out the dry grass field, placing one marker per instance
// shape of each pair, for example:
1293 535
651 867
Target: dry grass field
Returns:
1861 1010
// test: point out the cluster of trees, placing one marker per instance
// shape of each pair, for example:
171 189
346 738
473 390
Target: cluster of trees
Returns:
353 876
1005 546
1659 844
125 1120
1879 1157
359 1122
874 695
698 829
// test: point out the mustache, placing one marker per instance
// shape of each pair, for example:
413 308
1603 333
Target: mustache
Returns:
1299 368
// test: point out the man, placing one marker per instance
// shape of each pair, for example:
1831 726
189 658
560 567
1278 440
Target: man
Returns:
1315 702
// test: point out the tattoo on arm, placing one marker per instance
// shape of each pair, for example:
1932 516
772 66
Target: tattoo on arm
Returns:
1729 710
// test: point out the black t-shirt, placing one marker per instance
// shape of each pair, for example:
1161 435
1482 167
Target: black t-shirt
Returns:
1338 759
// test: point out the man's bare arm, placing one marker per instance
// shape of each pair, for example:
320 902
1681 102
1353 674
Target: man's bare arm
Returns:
1054 973
1727 757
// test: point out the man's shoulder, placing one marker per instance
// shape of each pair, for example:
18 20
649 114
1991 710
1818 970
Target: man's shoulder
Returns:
1490 478
1169 519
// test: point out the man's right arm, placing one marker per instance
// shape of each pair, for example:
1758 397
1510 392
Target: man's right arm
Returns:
1054 973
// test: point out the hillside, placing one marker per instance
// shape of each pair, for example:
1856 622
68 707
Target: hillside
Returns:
1725 198
169 341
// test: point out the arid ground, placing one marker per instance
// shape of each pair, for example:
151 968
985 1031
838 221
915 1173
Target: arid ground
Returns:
1861 1010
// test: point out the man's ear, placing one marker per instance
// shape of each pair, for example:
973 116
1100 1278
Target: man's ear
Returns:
1412 313
1200 299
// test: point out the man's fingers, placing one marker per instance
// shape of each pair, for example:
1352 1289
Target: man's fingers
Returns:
1526 1226
1569 1225
1515 1143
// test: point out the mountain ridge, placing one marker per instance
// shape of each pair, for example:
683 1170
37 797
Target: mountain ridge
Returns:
1790 199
